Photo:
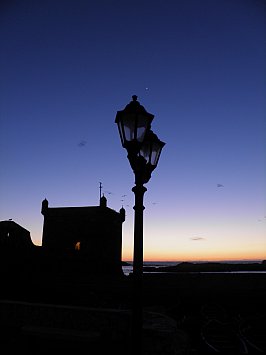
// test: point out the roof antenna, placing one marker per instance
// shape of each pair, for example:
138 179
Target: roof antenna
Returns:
100 190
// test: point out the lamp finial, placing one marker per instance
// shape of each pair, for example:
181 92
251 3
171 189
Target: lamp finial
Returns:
134 97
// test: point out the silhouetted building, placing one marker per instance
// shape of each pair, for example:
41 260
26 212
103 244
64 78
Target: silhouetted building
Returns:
92 233
15 237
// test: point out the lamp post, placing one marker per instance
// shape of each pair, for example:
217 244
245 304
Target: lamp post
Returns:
143 152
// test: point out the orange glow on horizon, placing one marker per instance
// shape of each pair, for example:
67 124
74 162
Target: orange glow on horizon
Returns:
218 256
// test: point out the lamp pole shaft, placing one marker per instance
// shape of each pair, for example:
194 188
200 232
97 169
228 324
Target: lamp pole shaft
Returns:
137 313
139 191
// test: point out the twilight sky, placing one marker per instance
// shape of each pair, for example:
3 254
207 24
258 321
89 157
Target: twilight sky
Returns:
68 66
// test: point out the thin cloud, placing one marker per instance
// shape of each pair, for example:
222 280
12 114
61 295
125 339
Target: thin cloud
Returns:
197 238
82 143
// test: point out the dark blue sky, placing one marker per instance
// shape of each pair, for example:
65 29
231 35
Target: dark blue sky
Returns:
66 67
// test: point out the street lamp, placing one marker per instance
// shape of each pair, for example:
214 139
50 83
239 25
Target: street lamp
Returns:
143 149
143 146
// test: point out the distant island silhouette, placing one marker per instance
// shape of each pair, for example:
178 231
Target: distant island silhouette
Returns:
208 267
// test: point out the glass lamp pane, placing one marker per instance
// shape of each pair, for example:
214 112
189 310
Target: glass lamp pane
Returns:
155 153
145 151
129 126
142 124
121 132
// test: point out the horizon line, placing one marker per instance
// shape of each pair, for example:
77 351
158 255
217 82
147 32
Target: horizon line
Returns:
195 261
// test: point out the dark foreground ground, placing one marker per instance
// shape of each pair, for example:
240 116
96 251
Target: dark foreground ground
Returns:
184 313
216 311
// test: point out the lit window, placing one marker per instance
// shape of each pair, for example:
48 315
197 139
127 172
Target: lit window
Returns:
77 246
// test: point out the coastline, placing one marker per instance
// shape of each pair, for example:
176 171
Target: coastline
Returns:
196 267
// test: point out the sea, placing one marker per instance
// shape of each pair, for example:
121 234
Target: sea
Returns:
127 269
